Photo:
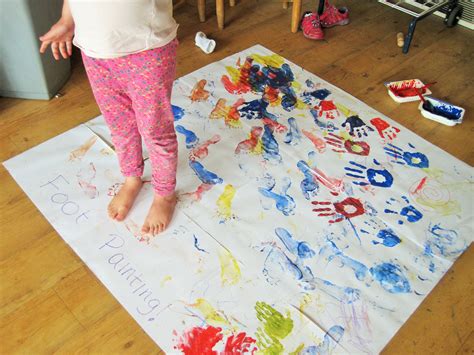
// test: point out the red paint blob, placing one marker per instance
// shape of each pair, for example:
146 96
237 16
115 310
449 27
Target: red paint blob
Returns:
200 341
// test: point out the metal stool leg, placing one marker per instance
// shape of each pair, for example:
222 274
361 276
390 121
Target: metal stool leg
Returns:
409 36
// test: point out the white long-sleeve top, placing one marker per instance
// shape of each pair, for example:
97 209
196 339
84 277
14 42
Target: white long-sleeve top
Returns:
114 28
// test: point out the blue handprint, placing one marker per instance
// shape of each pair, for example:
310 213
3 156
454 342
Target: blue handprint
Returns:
414 159
409 212
374 177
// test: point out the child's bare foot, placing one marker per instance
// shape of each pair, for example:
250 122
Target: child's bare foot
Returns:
123 201
160 214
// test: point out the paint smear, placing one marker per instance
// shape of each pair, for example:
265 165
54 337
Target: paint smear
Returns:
230 270
273 60
318 142
273 328
201 151
78 153
165 280
224 202
199 93
211 315
200 341
84 179
197 195
240 343
253 144
230 114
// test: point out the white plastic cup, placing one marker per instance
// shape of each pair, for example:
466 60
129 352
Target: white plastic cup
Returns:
207 45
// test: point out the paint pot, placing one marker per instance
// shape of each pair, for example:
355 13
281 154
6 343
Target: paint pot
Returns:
406 90
207 45
441 111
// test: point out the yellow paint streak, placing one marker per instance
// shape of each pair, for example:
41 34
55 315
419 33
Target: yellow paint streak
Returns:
234 73
273 60
296 85
224 202
210 314
345 110
298 350
301 105
258 148
230 270
165 280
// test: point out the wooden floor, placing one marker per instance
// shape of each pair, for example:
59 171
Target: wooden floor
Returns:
51 302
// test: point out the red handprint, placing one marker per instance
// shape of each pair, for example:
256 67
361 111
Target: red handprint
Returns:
384 128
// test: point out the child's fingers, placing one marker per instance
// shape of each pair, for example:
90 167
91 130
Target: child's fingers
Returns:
69 47
55 50
44 46
62 49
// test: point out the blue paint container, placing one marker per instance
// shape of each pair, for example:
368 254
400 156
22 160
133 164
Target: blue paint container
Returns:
441 111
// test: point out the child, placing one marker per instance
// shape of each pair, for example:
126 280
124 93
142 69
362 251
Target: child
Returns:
129 52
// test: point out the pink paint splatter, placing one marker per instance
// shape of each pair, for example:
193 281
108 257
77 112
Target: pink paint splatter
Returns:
201 151
197 195
84 179
335 186
318 142
200 341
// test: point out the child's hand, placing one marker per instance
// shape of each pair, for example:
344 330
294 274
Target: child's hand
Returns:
60 39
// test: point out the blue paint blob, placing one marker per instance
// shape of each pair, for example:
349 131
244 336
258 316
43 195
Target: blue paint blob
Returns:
255 109
309 187
190 138
389 238
284 202
300 249
411 214
178 112
391 278
332 337
293 136
271 150
204 175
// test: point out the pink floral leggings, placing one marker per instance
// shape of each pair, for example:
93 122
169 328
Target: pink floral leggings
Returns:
133 93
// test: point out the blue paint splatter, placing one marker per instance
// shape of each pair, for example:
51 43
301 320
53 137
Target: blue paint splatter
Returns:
442 242
284 202
190 138
204 175
332 337
178 112
320 94
196 245
300 249
309 186
293 136
255 109
271 150
389 238
391 278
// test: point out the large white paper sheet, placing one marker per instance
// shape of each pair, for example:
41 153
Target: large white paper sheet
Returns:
307 221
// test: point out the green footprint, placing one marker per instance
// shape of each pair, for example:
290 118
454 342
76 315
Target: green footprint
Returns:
273 328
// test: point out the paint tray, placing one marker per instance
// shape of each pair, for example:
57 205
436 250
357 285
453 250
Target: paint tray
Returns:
406 90
442 112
